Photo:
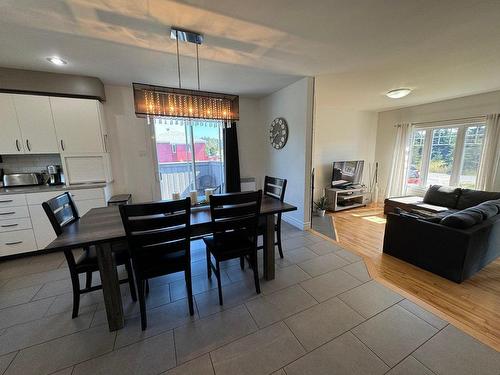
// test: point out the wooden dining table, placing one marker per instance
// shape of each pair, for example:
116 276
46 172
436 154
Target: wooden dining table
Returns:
101 227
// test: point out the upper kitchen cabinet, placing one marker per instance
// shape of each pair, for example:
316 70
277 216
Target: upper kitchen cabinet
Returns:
11 141
36 123
79 125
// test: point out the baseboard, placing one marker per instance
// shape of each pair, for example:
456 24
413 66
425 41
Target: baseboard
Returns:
297 223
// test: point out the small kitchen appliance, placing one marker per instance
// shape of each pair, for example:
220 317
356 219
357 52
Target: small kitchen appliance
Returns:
56 176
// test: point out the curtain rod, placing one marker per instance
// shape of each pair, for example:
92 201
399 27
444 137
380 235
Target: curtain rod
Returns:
447 120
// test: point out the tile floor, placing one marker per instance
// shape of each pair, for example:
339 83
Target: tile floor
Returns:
321 315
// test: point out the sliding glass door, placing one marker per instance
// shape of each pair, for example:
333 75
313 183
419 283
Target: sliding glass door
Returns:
190 156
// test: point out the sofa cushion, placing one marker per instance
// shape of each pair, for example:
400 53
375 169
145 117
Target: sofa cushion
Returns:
469 198
442 196
488 209
464 219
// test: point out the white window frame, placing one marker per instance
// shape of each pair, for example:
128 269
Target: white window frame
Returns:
458 154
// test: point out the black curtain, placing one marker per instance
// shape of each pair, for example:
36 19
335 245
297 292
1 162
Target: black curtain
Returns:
231 159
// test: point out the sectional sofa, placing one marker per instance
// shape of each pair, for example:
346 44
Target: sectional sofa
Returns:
451 232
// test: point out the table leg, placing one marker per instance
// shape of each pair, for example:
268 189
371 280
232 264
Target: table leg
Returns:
110 286
269 248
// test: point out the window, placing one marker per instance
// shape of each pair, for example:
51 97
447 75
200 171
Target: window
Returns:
445 155
190 156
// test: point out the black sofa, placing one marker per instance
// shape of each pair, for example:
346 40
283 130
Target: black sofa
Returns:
452 232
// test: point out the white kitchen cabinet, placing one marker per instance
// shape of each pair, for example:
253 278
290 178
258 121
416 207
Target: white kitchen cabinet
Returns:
15 224
15 242
10 134
36 123
44 233
12 200
82 169
79 125
9 213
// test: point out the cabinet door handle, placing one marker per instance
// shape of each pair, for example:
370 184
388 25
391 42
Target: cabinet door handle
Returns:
13 243
17 145
7 201
8 213
9 225
28 145
105 142
62 144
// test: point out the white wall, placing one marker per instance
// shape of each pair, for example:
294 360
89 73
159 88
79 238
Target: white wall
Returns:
339 134
251 135
469 106
293 162
131 144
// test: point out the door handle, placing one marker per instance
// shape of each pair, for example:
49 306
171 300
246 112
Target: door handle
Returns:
28 145
17 145
9 225
8 213
7 201
62 144
105 142
13 243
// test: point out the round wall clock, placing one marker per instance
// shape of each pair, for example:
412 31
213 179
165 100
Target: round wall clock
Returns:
278 133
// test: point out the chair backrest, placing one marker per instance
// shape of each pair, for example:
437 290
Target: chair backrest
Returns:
61 211
236 212
157 225
275 187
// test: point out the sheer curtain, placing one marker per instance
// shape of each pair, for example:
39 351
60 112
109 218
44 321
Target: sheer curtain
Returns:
490 158
396 183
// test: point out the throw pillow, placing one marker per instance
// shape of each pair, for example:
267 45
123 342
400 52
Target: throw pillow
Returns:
463 219
442 196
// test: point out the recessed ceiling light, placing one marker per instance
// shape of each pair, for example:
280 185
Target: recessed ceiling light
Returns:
398 93
56 60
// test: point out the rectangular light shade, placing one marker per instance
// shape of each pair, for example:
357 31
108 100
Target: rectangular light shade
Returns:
158 101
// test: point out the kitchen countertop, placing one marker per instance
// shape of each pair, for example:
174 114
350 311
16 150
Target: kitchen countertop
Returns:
46 188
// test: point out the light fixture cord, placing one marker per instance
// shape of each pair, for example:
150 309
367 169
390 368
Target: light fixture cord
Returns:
178 58
198 66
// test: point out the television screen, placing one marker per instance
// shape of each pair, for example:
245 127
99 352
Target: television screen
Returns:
347 172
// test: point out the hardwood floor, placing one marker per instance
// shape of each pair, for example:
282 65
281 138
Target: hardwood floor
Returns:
473 305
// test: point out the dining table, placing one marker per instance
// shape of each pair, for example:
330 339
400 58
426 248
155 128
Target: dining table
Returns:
102 227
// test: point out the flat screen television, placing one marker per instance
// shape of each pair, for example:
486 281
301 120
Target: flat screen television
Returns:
347 173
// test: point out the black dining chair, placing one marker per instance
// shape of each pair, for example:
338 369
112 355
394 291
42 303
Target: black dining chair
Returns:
234 224
159 237
275 188
61 212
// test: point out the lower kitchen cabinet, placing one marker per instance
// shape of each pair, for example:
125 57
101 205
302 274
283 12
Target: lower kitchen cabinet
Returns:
17 241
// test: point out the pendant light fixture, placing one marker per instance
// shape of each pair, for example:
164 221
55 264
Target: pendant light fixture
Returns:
160 101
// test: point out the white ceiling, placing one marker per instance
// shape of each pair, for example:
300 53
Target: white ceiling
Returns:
360 48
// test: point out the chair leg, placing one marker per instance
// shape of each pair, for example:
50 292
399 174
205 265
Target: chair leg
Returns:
209 265
242 262
76 294
278 235
88 281
219 284
142 304
131 283
187 275
255 267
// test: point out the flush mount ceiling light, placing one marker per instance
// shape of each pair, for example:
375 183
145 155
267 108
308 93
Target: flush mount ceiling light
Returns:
56 60
398 93
158 101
